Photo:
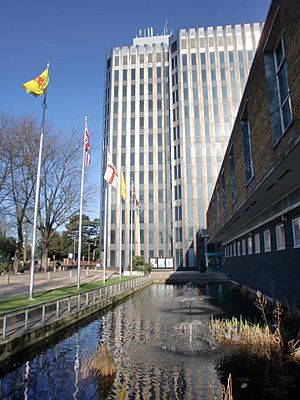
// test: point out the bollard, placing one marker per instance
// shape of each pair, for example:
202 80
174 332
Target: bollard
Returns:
87 271
54 269
70 274
26 319
4 326
49 275
59 268
7 279
43 314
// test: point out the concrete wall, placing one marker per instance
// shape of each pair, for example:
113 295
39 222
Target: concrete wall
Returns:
11 347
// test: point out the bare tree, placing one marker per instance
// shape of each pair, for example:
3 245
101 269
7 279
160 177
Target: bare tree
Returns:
21 146
60 186
5 165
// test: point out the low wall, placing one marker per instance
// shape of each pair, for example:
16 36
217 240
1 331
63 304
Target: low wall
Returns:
13 346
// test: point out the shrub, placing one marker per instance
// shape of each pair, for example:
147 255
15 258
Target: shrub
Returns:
139 264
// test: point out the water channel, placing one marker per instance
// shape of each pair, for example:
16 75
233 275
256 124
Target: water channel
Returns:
160 341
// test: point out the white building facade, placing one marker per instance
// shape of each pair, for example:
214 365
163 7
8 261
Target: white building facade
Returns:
170 102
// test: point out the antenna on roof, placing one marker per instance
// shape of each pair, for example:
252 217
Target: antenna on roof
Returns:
166 27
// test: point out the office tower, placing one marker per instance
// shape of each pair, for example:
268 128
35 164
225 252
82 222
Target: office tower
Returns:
170 102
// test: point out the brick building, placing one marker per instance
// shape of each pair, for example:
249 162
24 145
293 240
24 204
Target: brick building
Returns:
254 212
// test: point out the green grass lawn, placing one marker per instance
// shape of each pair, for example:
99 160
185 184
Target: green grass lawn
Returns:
11 303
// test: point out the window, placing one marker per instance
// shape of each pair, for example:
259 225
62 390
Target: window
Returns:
247 145
224 199
238 248
218 206
257 243
267 241
243 247
249 240
193 57
282 84
133 74
277 83
232 176
280 237
296 231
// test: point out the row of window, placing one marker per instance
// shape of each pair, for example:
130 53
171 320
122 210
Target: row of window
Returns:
281 117
212 58
254 244
141 73
141 58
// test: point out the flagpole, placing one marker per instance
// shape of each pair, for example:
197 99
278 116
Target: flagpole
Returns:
105 234
80 209
37 196
120 227
131 227
120 233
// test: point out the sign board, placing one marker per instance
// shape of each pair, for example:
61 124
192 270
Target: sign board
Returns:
162 262
153 262
169 263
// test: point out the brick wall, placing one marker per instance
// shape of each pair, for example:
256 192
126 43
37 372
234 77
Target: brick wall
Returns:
265 157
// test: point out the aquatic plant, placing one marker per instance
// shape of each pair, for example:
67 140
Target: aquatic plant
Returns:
255 338
294 346
227 391
100 364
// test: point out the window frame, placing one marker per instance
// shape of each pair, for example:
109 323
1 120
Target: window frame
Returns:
296 245
250 245
244 249
278 68
278 231
247 146
267 249
257 243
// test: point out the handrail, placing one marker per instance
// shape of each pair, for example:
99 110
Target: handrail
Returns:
34 306
99 294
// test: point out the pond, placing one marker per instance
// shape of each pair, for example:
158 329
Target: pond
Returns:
160 341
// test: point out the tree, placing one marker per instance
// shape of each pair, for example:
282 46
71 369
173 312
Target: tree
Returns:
90 236
21 146
5 166
60 187
138 264
7 250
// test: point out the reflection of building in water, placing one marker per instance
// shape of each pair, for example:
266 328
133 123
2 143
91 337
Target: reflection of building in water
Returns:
145 348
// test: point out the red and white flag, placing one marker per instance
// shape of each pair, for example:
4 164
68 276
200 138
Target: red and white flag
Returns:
136 201
87 144
111 175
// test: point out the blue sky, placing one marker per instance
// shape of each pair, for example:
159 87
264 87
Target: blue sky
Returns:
75 35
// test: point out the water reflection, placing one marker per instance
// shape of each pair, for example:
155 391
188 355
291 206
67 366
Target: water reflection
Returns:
161 344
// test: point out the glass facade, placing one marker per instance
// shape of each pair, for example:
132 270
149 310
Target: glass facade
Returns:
173 106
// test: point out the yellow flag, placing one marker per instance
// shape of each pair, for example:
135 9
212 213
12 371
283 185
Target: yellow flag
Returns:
123 187
38 85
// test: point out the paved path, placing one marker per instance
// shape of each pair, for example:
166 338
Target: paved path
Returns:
19 284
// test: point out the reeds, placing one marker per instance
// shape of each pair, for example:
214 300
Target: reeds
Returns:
100 364
255 338
227 391
294 346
